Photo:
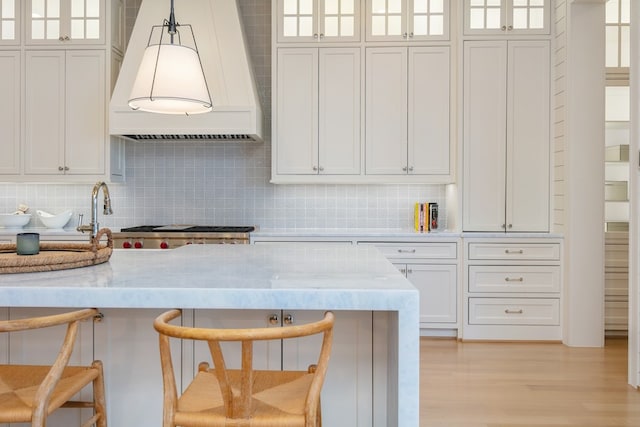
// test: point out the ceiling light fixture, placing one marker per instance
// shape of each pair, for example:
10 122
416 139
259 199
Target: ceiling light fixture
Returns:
170 79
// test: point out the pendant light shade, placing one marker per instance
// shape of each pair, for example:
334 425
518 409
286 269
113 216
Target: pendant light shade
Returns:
170 79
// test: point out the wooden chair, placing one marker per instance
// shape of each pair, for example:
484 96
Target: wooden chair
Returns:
30 393
243 397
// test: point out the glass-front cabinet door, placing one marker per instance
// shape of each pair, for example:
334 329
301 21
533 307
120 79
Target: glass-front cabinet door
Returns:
506 17
9 22
65 21
318 20
407 20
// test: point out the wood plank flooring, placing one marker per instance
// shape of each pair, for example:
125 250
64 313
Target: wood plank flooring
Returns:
475 384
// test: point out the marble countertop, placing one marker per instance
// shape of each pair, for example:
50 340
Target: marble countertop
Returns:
221 276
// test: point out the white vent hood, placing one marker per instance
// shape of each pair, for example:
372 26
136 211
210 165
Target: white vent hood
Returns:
217 27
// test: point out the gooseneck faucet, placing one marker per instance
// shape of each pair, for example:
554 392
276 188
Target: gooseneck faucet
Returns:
93 227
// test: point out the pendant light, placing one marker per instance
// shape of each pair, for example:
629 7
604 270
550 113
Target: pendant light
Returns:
171 79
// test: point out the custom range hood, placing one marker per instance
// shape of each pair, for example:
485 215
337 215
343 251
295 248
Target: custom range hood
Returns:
236 114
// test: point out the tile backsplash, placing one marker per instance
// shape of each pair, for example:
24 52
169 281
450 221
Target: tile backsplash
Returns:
227 183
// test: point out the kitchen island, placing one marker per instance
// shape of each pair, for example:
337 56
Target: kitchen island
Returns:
251 278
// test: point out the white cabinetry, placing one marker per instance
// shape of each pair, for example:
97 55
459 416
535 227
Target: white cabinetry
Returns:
512 289
318 20
65 21
318 112
507 17
127 344
407 20
407 112
65 112
433 269
506 136
347 393
616 283
10 111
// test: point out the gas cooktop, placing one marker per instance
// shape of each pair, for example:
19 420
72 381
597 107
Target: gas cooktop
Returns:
187 229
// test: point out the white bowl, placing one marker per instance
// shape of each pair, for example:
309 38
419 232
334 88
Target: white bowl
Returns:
54 221
14 221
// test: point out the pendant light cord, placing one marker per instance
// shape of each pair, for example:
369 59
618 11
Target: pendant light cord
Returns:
172 23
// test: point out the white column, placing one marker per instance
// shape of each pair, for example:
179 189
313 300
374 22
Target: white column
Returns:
584 159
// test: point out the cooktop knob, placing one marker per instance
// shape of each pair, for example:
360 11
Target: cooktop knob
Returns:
138 245
164 245
126 245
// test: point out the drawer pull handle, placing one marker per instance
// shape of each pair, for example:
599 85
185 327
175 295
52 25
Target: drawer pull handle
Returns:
511 251
407 251
508 311
514 279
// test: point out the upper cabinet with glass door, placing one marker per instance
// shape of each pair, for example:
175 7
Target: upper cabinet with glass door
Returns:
61 22
506 17
407 20
9 22
318 21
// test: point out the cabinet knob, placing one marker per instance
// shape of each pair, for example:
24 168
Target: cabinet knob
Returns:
404 169
315 35
274 319
503 28
320 168
315 168
60 168
411 34
404 35
410 168
510 27
66 168
321 36
288 319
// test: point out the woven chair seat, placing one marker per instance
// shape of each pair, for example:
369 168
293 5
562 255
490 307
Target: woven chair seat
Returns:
19 384
201 405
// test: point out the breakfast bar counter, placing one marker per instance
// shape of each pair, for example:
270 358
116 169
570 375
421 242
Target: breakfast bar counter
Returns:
252 277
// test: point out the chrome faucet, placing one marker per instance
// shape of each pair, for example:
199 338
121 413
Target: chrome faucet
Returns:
93 227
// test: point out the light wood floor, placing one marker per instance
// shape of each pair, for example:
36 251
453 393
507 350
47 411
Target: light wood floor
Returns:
525 384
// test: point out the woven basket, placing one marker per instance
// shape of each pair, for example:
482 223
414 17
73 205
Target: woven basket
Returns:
57 255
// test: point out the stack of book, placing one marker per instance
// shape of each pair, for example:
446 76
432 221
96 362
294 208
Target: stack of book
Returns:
426 217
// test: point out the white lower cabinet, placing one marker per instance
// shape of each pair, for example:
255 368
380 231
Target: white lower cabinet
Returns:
431 267
347 394
512 289
127 344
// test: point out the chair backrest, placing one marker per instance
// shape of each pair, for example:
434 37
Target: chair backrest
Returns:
72 320
246 336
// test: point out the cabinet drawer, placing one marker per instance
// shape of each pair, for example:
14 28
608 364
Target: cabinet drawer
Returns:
500 278
515 251
418 250
514 311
